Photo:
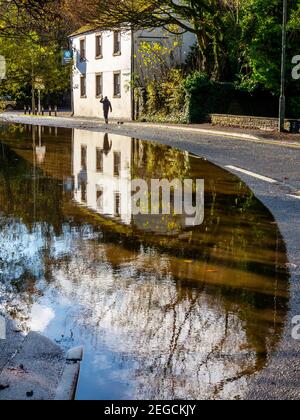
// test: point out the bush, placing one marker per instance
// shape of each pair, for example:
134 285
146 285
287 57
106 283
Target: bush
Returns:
177 99
199 93
205 97
166 98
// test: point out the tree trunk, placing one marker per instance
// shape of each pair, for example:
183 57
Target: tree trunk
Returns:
202 55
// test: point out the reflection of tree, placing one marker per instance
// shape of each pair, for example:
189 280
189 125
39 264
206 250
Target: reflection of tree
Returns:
184 342
151 162
27 193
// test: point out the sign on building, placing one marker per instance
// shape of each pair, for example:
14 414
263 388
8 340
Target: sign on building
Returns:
67 57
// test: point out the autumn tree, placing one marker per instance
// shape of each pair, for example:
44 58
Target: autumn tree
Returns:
20 17
207 19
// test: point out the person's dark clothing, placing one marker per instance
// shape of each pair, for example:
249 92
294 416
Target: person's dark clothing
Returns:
106 108
107 145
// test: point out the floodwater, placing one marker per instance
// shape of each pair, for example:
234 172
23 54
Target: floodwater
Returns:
163 310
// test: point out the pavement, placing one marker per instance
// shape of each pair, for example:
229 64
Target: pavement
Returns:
65 119
31 366
270 165
34 368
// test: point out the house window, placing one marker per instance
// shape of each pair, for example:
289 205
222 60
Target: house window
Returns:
99 199
99 160
117 42
99 46
82 50
117 164
99 85
83 192
117 84
83 157
117 204
83 86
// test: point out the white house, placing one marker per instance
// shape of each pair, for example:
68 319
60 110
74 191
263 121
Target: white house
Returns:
105 62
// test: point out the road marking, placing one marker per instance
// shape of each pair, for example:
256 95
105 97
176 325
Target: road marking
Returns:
253 174
294 196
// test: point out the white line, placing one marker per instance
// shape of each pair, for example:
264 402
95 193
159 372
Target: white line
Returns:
293 196
253 174
210 132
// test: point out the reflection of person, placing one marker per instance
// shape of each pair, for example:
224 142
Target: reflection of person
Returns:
106 145
106 107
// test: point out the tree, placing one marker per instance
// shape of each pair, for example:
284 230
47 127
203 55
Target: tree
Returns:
261 42
32 47
28 60
20 17
204 18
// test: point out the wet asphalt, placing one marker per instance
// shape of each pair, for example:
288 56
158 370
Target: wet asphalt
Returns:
280 379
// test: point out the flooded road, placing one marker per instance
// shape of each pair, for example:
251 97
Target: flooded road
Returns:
163 310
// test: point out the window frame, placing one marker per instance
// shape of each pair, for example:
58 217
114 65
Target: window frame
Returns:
117 199
98 95
117 174
100 196
83 156
99 168
83 79
82 57
99 56
116 52
83 192
117 95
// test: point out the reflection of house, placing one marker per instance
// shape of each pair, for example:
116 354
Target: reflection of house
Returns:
106 61
102 170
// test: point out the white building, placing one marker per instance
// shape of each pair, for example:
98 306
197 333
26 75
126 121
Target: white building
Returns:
105 62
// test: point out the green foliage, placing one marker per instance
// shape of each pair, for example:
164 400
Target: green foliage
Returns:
180 99
261 26
205 96
293 107
29 59
29 56
198 88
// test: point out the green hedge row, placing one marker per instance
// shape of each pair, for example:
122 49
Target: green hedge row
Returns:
191 99
204 97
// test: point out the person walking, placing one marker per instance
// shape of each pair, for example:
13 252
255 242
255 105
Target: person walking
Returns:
106 108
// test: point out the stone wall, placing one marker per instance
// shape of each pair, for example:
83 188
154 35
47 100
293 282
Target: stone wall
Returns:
257 123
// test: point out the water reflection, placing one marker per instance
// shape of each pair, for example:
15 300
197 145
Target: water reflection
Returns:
163 310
